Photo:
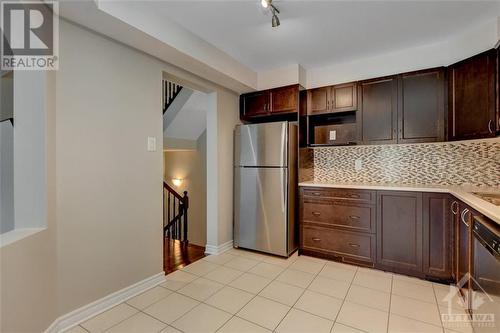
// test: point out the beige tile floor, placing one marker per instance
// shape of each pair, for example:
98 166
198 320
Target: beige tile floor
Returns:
241 291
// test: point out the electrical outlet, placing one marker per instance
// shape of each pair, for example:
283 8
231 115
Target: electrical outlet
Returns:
358 164
333 135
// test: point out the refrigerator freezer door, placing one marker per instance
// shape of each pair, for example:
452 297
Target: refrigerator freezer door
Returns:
260 221
261 145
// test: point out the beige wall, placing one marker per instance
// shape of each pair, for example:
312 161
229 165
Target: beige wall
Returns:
226 121
191 166
109 187
104 229
28 279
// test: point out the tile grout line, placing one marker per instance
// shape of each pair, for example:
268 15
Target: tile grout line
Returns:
439 311
283 269
260 260
292 307
254 296
227 285
125 303
414 319
344 300
390 306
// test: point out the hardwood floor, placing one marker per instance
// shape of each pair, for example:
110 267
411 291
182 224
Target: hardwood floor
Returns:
177 254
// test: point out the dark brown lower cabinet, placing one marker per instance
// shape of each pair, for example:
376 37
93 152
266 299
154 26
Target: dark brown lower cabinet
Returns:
338 224
399 232
437 236
411 233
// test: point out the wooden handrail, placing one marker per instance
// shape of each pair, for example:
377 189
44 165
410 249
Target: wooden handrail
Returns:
175 206
171 190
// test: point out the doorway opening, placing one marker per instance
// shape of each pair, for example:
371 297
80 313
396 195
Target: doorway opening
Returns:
185 174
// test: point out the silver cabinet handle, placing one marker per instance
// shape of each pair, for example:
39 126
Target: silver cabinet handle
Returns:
316 193
316 213
454 207
354 196
490 128
354 217
316 239
462 216
353 245
327 105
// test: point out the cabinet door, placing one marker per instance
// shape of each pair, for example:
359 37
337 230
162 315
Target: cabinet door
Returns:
472 97
285 99
437 236
344 97
378 106
421 106
255 104
399 232
318 100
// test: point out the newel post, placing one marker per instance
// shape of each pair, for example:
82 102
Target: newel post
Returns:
185 207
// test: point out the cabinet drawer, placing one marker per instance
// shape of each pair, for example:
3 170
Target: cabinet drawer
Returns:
358 218
360 246
340 194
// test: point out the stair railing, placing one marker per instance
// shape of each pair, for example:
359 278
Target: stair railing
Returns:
175 214
170 92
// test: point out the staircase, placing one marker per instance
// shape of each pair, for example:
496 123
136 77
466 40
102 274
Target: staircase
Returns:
175 214
170 92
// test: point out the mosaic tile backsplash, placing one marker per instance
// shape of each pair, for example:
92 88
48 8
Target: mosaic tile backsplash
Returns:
451 163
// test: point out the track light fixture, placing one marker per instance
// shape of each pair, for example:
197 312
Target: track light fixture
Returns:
275 21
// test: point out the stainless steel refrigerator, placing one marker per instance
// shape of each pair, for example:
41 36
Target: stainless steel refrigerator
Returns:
265 187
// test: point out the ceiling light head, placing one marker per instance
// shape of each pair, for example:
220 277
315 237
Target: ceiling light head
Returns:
265 3
275 21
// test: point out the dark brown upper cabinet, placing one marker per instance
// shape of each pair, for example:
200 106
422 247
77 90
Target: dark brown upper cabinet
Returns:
404 108
399 231
255 104
438 228
283 100
318 100
472 97
338 98
421 109
377 117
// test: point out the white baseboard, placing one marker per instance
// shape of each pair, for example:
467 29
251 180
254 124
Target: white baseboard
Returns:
218 249
78 316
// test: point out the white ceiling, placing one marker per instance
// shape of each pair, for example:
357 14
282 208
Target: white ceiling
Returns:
320 33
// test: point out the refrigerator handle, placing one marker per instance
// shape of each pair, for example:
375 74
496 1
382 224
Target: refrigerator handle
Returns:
284 182
283 144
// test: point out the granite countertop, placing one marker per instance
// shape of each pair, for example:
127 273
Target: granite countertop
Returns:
463 193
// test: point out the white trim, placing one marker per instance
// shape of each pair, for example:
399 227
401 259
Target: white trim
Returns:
78 316
218 249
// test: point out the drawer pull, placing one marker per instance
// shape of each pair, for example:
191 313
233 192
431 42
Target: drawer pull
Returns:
354 217
353 245
316 239
454 208
356 196
316 213
316 193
